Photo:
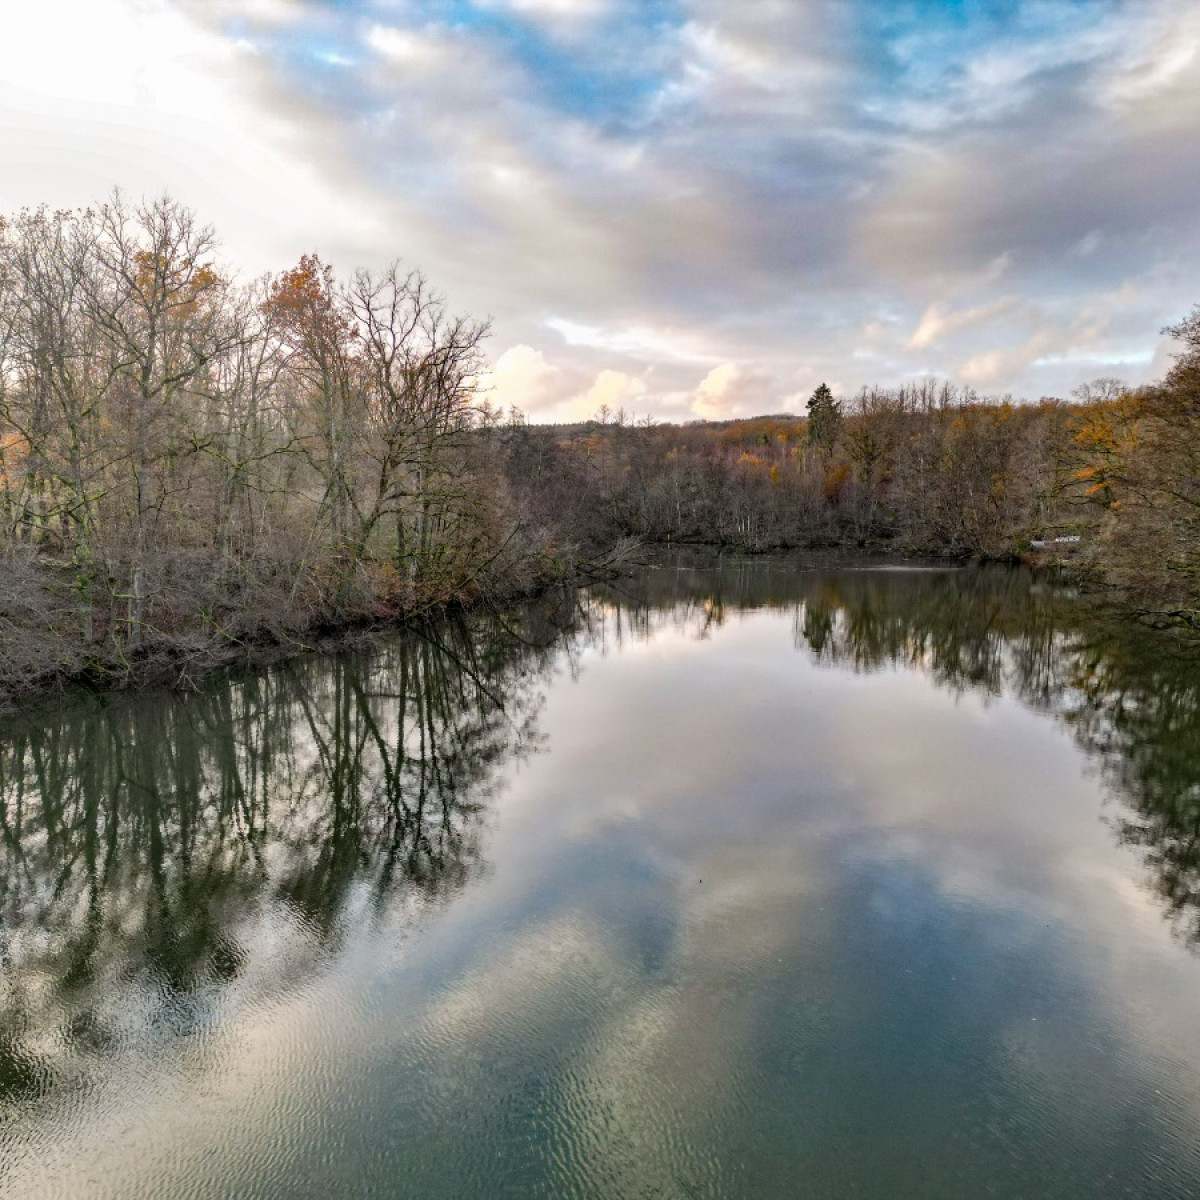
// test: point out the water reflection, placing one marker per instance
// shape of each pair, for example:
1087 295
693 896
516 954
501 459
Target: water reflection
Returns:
153 847
1130 696
167 862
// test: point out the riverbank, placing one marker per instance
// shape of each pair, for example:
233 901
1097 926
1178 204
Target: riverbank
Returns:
182 660
38 661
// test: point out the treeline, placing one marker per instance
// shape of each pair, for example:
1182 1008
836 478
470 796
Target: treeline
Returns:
187 460
922 468
1110 480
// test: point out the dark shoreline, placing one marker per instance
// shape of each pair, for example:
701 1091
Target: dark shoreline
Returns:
183 664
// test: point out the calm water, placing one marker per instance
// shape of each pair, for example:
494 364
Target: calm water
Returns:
757 881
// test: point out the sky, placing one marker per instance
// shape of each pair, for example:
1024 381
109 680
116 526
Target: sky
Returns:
680 208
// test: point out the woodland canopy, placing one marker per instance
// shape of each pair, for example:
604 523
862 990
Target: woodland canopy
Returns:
190 462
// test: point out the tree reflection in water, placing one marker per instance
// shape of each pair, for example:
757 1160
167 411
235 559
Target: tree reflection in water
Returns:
1129 695
153 846
164 857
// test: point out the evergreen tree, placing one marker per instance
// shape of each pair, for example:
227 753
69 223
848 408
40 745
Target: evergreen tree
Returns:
824 421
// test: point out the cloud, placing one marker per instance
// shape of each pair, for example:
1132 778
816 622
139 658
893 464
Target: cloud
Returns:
939 320
559 16
992 367
731 390
1155 68
664 190
680 345
142 98
614 390
522 378
413 50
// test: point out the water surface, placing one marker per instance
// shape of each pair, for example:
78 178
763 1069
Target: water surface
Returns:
761 880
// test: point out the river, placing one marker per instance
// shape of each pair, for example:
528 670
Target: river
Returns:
768 879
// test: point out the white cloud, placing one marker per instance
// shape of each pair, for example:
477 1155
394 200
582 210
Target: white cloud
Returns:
413 50
522 378
993 368
939 320
553 10
731 390
139 96
740 186
1160 58
680 345
614 389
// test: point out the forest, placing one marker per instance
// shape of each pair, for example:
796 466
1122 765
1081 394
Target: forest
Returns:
193 466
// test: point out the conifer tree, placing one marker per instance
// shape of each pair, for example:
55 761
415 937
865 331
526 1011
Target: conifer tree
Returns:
824 421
